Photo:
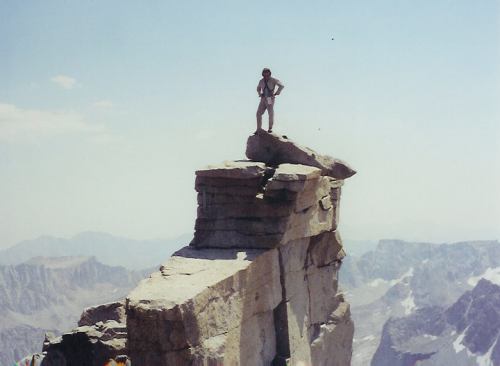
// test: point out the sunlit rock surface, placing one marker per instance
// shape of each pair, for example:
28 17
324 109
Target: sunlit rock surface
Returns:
257 285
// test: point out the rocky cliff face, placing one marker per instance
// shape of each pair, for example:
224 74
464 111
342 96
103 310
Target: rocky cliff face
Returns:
256 286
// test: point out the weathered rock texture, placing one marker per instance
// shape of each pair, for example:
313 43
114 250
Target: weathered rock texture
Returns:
273 149
100 336
261 207
256 286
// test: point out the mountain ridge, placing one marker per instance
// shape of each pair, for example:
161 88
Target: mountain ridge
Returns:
399 277
465 333
48 295
141 254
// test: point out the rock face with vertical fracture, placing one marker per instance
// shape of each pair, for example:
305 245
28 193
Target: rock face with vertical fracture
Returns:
258 284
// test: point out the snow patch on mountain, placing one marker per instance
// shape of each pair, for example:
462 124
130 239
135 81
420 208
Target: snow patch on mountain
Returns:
404 276
457 344
409 303
377 282
482 360
491 274
430 336
485 360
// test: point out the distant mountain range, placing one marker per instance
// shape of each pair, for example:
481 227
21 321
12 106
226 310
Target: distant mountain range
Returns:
49 294
399 278
117 251
357 248
397 290
466 333
107 248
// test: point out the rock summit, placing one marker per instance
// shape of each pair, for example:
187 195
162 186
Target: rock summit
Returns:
257 285
274 149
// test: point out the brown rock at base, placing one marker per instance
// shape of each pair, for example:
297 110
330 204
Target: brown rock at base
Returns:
101 336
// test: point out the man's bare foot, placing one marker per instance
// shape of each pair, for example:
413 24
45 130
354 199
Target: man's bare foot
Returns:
270 130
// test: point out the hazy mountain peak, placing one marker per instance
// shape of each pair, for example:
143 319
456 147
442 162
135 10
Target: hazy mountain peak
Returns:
107 248
91 234
60 262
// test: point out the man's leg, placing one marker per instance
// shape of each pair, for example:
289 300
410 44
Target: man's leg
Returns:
260 111
270 112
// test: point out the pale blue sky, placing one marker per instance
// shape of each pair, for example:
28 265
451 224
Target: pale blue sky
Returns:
107 108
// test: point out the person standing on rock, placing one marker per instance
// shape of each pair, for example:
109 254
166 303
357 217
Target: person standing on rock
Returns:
266 92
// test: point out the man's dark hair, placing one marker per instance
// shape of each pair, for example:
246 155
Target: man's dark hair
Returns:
266 70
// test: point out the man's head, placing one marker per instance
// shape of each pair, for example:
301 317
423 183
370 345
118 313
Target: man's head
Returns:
266 73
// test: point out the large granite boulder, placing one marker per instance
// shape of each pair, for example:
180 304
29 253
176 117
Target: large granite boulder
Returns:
242 307
273 149
208 305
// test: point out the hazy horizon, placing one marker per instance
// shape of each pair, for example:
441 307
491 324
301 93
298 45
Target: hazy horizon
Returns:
106 111
185 235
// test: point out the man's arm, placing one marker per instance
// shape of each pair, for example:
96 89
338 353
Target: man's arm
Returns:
259 89
280 87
